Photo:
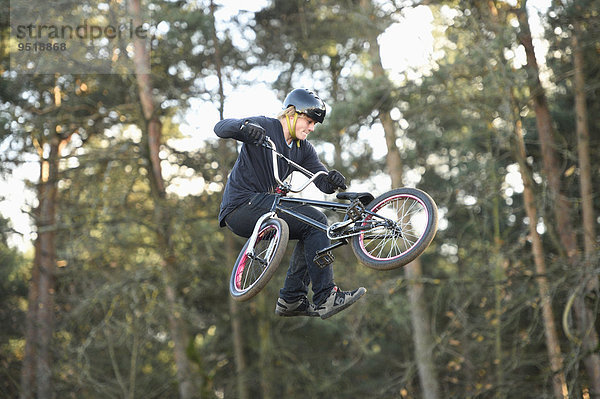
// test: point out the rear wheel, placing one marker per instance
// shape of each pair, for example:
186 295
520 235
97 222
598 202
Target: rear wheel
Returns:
403 227
252 272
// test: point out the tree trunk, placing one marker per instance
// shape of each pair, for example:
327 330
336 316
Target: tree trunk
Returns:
36 373
583 315
186 372
28 366
266 349
559 383
238 350
236 325
583 150
237 334
419 314
424 342
47 262
588 322
546 134
230 256
498 275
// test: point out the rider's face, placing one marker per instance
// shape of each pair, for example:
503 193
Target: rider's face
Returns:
304 126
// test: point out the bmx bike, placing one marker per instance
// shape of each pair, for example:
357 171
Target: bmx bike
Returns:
385 233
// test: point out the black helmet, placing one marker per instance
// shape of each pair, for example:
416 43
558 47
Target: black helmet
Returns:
306 102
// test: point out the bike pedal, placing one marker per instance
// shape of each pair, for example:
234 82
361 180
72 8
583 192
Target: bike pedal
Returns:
324 259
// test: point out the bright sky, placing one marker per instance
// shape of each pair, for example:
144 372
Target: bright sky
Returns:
408 43
397 56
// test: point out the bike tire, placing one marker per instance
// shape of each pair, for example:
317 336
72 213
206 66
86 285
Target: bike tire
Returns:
415 212
249 276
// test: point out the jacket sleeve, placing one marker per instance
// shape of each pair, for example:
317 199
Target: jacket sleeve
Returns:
323 184
232 129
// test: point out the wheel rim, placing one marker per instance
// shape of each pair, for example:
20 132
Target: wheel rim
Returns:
385 243
250 270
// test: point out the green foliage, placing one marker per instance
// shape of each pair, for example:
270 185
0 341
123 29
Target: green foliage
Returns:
13 293
454 126
586 15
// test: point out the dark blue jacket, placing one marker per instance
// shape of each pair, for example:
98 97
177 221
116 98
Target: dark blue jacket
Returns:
253 170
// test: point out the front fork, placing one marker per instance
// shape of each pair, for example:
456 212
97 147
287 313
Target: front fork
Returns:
254 236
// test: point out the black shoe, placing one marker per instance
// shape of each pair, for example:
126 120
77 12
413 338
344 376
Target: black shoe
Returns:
339 300
301 307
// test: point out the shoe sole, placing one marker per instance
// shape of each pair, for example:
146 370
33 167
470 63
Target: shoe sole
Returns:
292 314
335 311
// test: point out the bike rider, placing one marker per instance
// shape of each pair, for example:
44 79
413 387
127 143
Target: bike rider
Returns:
249 194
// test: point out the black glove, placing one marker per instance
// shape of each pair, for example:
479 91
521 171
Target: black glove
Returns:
336 179
255 132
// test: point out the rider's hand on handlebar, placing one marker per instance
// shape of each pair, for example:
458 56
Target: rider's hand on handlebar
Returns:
255 132
337 179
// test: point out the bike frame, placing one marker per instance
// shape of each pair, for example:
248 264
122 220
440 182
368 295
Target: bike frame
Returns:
281 200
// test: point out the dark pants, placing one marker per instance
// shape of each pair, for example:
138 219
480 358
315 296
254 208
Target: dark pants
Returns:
303 269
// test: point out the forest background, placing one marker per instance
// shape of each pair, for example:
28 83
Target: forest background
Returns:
124 290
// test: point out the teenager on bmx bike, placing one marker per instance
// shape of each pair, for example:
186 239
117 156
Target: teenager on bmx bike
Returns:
249 194
385 232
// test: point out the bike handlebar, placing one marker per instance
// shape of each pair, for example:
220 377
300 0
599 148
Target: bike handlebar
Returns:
311 176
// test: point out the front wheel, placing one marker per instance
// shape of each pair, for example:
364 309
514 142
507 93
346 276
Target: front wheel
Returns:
252 271
399 226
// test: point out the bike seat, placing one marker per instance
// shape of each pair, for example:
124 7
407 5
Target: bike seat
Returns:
365 198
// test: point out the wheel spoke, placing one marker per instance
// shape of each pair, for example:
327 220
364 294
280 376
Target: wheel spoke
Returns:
398 227
257 264
263 252
386 242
